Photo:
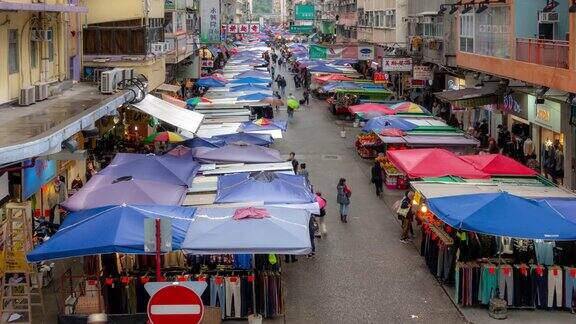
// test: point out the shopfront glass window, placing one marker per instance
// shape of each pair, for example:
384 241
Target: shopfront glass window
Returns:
491 31
13 57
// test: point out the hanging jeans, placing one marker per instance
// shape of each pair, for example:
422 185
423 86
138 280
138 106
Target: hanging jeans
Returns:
569 286
540 287
247 292
506 284
217 294
233 292
523 293
488 284
555 286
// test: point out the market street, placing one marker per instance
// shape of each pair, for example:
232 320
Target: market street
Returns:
361 273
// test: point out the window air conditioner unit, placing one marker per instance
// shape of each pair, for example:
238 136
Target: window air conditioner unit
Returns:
41 91
27 96
158 48
108 82
548 17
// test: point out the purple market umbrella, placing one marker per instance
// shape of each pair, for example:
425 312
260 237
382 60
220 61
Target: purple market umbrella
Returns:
254 74
104 190
168 168
240 153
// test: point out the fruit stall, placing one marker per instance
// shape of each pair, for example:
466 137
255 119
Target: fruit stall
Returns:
368 145
392 177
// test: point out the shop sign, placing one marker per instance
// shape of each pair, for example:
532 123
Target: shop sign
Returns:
422 72
304 12
381 77
391 64
301 29
365 52
543 113
176 302
35 177
207 63
210 22
241 28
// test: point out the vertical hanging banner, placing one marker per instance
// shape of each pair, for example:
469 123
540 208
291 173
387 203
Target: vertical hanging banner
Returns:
210 21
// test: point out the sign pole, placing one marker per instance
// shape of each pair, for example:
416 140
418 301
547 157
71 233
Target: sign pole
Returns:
158 248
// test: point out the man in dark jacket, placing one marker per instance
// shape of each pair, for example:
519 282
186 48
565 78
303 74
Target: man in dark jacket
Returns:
377 178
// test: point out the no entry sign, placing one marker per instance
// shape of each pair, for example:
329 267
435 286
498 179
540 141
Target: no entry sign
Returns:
175 303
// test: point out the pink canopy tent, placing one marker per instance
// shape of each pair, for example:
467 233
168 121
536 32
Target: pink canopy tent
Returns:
498 164
371 107
422 163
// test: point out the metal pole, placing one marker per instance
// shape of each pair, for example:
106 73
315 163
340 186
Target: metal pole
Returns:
158 242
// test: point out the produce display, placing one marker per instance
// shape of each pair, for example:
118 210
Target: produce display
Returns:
393 178
369 139
366 145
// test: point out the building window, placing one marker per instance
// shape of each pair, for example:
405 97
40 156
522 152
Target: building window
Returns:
33 54
467 33
390 19
377 19
433 28
13 51
51 46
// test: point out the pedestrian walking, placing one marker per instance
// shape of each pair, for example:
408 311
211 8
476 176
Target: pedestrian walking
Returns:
311 231
322 231
343 199
295 163
282 84
377 178
306 97
272 71
303 172
280 61
406 214
290 110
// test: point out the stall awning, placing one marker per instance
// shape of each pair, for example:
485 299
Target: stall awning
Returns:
470 97
444 189
185 119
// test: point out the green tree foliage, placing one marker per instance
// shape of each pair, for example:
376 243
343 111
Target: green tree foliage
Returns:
261 7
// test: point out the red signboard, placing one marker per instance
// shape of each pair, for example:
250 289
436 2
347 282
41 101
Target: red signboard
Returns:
175 304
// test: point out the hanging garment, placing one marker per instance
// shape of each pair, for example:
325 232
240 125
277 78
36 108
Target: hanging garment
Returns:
540 286
555 286
488 284
506 284
218 293
569 286
523 292
247 295
243 261
233 294
544 252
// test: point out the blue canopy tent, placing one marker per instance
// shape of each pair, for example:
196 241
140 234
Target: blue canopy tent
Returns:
203 142
253 96
286 231
253 74
324 69
110 229
255 139
275 124
267 187
565 207
210 83
249 87
214 50
249 80
344 61
503 214
384 122
177 170
340 85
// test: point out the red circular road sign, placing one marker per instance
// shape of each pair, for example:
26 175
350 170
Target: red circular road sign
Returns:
175 304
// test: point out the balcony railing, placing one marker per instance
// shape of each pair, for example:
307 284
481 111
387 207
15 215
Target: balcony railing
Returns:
543 51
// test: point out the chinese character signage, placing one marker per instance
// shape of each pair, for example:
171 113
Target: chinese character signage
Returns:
422 72
304 12
397 64
380 77
207 63
210 22
241 28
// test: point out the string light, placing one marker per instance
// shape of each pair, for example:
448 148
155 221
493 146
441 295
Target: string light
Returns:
424 209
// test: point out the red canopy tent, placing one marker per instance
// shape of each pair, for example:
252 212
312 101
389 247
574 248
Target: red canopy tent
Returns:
371 107
332 77
422 163
498 164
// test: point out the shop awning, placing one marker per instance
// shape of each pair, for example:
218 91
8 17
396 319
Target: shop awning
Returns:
284 232
110 229
503 214
470 97
420 163
184 119
445 189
